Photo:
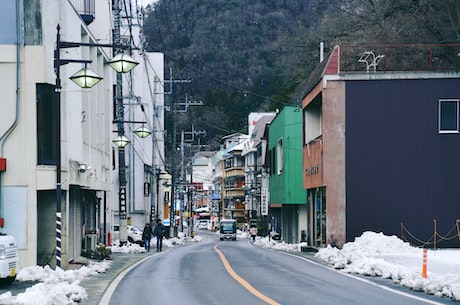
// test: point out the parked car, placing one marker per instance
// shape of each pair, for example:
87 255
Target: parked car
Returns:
134 234
203 224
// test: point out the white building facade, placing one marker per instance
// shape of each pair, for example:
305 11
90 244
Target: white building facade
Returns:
29 129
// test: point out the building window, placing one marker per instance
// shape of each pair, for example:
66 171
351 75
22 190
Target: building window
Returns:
46 125
279 157
312 117
271 157
448 116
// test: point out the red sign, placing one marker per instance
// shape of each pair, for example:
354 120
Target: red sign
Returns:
2 164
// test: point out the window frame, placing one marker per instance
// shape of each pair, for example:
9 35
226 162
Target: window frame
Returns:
440 118
312 121
279 157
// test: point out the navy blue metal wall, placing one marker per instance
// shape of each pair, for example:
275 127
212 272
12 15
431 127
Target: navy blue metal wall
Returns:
399 170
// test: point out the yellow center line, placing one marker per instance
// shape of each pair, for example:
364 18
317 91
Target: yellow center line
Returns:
242 282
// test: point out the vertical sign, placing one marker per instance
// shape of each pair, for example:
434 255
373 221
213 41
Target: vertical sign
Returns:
146 189
264 201
122 194
172 212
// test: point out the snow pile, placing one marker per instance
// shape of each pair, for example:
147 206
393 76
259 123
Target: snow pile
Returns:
278 245
57 287
375 254
167 242
126 248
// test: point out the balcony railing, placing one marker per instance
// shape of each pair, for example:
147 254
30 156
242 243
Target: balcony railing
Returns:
86 9
397 57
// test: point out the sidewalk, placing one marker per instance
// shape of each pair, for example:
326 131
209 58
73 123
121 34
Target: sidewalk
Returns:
96 286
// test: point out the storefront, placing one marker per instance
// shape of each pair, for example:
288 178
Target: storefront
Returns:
316 207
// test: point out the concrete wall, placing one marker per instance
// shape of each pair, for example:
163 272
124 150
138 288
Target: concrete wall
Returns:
334 160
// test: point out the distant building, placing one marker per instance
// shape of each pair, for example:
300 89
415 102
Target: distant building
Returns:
256 189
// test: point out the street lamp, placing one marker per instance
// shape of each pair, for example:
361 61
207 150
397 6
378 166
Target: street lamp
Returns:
143 132
85 78
121 141
122 63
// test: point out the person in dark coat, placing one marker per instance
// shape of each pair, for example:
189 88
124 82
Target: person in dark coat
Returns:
147 236
159 232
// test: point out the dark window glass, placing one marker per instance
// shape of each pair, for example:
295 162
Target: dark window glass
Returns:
46 125
448 115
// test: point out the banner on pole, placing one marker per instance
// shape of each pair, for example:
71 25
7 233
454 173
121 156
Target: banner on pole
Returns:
264 201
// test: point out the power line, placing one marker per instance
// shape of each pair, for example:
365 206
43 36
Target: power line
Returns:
224 82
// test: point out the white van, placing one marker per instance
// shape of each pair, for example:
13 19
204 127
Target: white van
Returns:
227 229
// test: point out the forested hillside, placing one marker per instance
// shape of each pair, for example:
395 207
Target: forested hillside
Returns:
243 56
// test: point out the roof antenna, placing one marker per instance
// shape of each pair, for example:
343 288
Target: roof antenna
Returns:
370 60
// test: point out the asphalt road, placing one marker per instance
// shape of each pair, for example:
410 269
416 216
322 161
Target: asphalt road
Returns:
234 272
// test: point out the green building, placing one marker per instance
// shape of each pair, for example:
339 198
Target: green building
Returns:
287 195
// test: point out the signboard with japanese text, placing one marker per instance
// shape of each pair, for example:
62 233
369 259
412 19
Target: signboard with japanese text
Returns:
122 207
264 201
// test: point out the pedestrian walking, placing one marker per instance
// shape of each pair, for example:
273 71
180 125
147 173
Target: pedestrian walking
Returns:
159 232
253 232
147 236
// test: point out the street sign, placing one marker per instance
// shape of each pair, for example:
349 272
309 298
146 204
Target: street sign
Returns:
264 201
123 211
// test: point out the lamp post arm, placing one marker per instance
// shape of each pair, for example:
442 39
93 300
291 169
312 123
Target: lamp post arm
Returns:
69 44
58 62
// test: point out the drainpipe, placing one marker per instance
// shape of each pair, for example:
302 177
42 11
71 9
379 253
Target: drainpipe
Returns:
15 122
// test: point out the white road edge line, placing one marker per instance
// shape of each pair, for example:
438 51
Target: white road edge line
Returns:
365 281
109 291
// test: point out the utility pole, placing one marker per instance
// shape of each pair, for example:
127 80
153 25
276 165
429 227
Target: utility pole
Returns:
172 204
153 187
192 133
122 206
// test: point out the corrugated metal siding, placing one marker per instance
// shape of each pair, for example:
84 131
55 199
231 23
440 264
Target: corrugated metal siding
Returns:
399 170
75 225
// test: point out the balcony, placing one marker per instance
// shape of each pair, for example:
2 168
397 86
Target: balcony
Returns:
86 9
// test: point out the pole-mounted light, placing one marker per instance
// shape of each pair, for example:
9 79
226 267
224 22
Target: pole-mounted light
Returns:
143 132
121 141
85 78
122 63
